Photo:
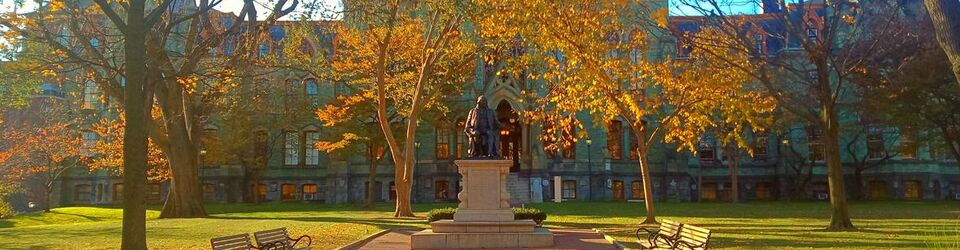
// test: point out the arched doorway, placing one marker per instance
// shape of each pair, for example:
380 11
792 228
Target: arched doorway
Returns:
509 134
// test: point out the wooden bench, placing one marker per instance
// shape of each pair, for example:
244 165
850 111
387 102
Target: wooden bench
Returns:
664 238
693 238
239 242
280 237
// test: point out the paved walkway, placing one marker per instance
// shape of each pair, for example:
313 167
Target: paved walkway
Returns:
563 238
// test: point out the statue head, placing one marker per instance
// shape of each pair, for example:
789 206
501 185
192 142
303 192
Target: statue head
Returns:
481 102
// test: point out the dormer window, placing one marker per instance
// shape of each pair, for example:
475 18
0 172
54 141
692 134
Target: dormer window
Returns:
811 30
812 33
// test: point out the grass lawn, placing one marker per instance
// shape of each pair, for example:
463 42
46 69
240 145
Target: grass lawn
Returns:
774 225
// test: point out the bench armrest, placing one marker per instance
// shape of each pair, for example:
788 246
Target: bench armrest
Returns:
297 240
693 246
271 246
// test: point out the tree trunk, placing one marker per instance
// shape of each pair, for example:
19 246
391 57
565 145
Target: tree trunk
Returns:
734 182
371 181
647 182
858 181
403 208
943 13
185 198
839 216
137 101
48 198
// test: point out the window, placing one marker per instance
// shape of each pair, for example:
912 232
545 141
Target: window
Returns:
815 144
636 190
908 146
764 191
91 95
260 190
291 148
569 189
118 192
290 91
443 141
442 190
89 142
706 149
461 139
51 89
708 191
288 192
811 30
875 148
911 190
614 140
311 88
264 49
617 188
310 188
312 154
209 192
153 192
812 33
760 146
81 193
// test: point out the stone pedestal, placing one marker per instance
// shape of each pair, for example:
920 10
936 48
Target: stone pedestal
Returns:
484 218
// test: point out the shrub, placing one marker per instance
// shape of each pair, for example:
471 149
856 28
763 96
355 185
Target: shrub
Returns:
518 214
441 214
529 214
5 209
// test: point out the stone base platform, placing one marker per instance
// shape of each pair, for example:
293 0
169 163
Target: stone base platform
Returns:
428 239
513 226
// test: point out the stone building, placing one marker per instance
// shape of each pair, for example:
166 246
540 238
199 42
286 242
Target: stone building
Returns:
601 168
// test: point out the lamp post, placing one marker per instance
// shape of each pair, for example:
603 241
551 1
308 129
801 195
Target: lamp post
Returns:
417 158
589 169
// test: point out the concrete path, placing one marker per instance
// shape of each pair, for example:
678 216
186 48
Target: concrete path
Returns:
563 238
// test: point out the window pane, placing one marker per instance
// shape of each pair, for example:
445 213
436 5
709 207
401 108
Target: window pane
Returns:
312 88
291 148
312 156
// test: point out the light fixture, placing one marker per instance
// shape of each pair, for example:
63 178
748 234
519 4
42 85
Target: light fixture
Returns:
589 141
416 144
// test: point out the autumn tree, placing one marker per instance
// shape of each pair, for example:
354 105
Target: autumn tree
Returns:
181 42
48 145
804 54
403 56
591 57
353 129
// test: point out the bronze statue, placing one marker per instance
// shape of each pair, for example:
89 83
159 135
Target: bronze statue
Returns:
483 131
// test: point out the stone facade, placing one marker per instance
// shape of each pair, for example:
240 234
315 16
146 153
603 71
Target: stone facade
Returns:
589 171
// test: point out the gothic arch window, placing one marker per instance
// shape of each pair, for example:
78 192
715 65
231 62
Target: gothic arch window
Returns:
311 87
